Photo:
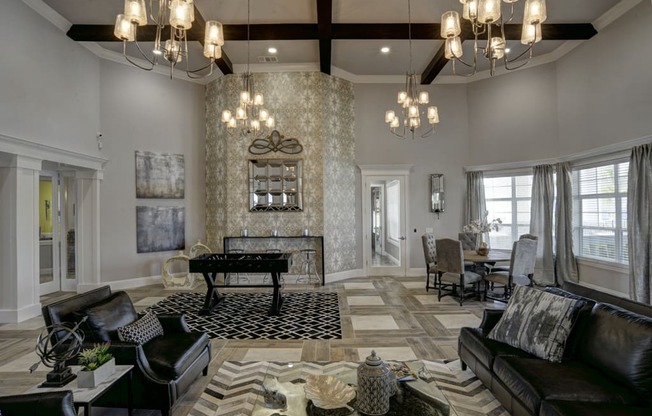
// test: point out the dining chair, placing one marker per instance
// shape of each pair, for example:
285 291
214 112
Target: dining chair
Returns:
505 268
430 255
451 272
521 269
469 242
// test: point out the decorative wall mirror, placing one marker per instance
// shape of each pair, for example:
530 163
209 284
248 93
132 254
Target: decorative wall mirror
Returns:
437 192
275 185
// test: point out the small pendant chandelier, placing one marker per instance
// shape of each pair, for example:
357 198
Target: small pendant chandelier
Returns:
250 119
411 101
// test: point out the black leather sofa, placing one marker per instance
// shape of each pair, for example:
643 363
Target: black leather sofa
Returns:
53 403
164 367
606 369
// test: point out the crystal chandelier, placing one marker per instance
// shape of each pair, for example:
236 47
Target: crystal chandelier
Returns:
411 101
250 119
179 14
486 19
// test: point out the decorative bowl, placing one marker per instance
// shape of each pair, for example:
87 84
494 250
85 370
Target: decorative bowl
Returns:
327 392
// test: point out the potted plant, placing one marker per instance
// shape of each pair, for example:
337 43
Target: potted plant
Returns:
97 365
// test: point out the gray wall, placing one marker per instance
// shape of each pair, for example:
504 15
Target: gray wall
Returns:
49 86
445 152
146 111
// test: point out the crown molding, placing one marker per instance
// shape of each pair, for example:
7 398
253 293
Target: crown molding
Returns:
26 148
614 13
49 14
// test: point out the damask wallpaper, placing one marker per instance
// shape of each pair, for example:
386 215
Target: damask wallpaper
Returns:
316 109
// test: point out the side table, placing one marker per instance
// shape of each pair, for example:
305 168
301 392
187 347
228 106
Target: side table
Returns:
85 397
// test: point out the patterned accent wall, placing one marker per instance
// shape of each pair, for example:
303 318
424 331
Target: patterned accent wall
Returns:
339 162
317 110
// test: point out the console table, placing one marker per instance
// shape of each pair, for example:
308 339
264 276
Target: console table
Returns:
286 244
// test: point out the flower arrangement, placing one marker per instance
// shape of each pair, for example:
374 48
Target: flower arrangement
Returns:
483 226
92 358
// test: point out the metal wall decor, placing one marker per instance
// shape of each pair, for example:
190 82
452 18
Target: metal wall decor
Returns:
275 142
160 228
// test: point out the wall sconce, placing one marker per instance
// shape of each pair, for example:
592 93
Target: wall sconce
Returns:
437 202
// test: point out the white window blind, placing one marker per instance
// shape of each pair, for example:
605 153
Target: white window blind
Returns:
600 212
508 198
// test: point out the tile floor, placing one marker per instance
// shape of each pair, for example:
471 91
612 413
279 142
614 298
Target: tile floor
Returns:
394 316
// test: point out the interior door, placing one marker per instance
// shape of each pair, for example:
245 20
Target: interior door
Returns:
49 273
384 219
57 219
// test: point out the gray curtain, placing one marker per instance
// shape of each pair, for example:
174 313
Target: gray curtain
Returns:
565 263
639 225
543 194
475 204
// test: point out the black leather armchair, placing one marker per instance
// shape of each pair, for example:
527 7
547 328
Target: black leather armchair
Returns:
164 367
54 403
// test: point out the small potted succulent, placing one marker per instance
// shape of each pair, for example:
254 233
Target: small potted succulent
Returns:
97 365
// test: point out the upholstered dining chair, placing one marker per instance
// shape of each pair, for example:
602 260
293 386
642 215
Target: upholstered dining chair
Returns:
450 270
469 242
505 268
521 268
430 255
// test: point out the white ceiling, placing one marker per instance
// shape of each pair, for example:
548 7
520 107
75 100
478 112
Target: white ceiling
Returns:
358 57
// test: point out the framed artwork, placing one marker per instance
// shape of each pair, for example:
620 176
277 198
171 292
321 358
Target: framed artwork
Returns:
160 175
160 229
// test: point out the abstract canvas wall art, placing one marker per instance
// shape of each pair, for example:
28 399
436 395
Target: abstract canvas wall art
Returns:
160 229
159 175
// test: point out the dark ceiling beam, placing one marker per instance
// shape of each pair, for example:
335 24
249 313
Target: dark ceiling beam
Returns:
437 63
324 29
310 31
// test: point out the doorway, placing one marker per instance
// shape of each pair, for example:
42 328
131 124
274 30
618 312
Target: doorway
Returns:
384 218
57 212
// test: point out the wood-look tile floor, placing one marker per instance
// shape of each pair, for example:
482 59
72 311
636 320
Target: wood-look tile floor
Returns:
396 316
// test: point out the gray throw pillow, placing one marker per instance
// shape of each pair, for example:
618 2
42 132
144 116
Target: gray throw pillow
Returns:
537 322
142 330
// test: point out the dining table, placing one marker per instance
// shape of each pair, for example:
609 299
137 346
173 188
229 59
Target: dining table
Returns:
492 256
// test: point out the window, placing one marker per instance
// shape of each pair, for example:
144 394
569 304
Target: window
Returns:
600 212
508 198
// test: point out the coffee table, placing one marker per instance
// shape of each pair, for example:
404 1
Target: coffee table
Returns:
85 397
289 379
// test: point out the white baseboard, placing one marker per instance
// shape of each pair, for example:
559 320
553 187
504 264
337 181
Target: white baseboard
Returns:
348 274
13 316
416 271
121 284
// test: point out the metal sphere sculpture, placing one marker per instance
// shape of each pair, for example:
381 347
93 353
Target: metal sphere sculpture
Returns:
55 345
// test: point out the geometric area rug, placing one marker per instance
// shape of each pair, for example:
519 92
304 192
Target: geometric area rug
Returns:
234 389
304 315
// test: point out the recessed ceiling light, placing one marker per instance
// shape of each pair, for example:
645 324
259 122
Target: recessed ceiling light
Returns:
272 50
384 49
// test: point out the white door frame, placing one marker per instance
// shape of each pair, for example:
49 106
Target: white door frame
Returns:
369 173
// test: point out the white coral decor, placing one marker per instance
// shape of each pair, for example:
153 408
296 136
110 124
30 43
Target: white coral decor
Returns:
328 392
483 226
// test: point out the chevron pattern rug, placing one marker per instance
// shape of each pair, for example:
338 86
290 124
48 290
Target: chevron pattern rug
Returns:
234 389
304 315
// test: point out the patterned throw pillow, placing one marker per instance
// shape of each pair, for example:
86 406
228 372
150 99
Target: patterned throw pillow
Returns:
142 330
537 322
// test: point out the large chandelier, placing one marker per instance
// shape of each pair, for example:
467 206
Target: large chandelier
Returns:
179 15
250 119
411 101
487 21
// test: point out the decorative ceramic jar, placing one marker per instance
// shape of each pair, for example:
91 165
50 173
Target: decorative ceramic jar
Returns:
375 386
